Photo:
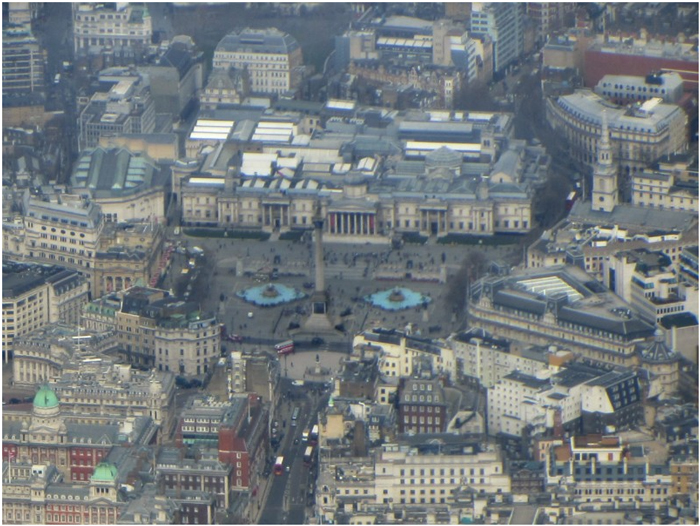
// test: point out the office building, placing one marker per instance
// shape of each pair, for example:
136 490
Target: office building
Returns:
47 352
628 89
548 17
401 354
62 229
236 429
177 77
23 62
602 470
122 105
667 184
638 135
22 12
205 474
34 296
578 398
130 254
486 358
575 241
225 86
412 476
648 281
158 330
123 29
273 59
38 494
563 306
71 231
618 54
422 407
117 391
504 24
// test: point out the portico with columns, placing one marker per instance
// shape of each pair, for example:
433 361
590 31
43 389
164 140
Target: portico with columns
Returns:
276 215
433 219
352 222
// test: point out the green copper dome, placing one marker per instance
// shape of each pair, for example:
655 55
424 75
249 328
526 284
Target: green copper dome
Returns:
45 397
104 472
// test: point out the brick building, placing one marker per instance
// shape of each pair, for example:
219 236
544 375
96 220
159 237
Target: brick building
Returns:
422 407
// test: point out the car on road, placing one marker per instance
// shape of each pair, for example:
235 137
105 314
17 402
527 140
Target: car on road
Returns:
317 340
296 441
234 338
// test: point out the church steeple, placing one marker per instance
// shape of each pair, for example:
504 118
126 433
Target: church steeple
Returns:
605 174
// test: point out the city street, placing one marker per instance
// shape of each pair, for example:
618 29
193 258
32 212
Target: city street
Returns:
285 502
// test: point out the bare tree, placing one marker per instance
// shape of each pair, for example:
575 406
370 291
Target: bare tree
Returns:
550 200
473 267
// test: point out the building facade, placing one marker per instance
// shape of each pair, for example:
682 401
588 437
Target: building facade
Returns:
23 62
597 469
513 307
158 330
127 186
207 474
504 23
98 28
38 494
272 58
401 355
44 353
422 407
118 390
621 55
62 229
639 135
626 89
126 107
667 185
405 478
35 296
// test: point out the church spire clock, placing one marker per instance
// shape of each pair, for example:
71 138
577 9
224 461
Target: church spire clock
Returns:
605 188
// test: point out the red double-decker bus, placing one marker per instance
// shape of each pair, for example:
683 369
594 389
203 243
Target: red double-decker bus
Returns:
286 347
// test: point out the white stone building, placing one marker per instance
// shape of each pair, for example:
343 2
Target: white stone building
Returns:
97 28
400 353
638 135
273 59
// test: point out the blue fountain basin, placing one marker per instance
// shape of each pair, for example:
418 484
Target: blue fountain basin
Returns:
383 300
256 295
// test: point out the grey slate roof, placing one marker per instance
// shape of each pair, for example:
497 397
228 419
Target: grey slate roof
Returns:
633 216
630 328
269 40
519 302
